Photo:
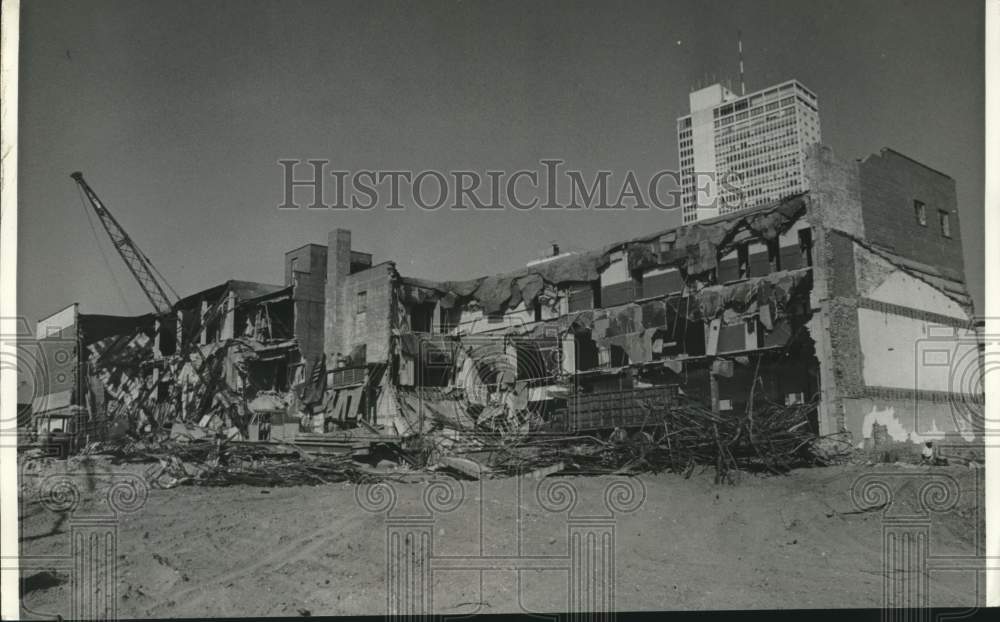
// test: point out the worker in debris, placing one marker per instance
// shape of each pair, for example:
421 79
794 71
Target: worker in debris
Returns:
220 447
929 455
265 428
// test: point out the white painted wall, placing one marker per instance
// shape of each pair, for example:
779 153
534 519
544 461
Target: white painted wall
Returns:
703 143
907 353
902 289
56 322
473 322
881 280
928 422
616 271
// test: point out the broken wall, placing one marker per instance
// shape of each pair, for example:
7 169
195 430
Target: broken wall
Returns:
52 367
361 315
360 306
879 312
916 346
305 272
64 343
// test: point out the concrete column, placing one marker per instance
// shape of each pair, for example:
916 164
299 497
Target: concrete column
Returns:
436 320
179 316
569 354
157 328
203 336
229 319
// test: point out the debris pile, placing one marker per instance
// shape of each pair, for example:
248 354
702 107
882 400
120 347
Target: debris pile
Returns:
213 385
771 437
220 462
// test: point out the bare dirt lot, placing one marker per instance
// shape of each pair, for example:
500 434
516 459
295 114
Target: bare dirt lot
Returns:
501 545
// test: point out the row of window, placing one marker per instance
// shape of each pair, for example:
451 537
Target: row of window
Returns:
742 266
786 107
763 132
766 100
746 141
788 151
944 218
748 145
759 98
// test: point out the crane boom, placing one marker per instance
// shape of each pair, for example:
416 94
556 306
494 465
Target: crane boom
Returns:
136 261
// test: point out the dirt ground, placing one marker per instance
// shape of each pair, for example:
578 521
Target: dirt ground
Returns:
793 541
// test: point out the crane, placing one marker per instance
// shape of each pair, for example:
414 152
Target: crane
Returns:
136 261
153 285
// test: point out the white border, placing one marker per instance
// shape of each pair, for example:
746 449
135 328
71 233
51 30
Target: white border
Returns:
9 47
10 21
991 226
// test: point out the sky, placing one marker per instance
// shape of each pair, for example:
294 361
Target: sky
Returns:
177 113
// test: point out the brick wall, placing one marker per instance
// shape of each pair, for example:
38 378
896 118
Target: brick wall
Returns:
309 295
834 191
890 183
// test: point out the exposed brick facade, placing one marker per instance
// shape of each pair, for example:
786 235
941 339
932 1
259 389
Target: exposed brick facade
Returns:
834 191
890 183
873 200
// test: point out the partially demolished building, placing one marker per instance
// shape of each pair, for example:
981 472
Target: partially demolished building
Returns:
225 356
852 293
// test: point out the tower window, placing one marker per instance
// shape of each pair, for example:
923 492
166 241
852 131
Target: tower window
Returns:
920 211
362 302
945 220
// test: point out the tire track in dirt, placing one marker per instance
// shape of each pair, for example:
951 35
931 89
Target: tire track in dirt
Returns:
306 547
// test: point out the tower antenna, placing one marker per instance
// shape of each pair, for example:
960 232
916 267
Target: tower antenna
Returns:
739 42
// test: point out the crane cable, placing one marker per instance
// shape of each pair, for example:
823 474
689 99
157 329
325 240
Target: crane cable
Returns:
97 238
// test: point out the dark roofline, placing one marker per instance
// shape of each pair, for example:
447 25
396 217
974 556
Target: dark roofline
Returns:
883 151
105 316
222 287
285 291
615 246
743 213
419 282
298 248
374 266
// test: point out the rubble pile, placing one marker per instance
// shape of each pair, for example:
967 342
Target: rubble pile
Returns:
213 385
772 437
219 462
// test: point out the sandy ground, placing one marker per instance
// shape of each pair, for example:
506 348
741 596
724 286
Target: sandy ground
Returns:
766 542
